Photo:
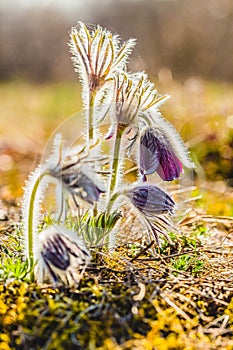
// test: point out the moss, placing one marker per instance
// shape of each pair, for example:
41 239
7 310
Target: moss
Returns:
100 314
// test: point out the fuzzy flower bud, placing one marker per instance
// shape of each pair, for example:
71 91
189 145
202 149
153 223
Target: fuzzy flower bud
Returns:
151 200
155 206
80 185
61 255
157 154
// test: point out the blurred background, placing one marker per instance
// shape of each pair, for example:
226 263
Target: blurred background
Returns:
190 37
186 47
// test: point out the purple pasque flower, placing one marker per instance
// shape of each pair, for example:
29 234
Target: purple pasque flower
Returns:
157 154
151 200
61 255
75 172
155 205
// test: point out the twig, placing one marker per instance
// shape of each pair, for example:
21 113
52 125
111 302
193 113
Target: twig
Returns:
175 307
142 251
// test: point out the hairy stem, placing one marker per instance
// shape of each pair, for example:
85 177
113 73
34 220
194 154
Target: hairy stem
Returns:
31 221
116 162
90 118
112 200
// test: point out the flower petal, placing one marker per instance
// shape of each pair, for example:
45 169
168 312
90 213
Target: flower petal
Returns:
55 252
151 200
64 256
149 153
157 154
79 184
172 136
170 167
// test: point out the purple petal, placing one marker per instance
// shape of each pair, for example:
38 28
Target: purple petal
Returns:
156 154
82 186
58 249
149 153
89 187
151 200
170 167
61 256
55 252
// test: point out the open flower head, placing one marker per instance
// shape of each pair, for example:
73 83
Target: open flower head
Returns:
97 54
61 256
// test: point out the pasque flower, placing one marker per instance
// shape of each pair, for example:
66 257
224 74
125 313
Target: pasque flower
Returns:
61 256
150 200
77 177
155 206
131 103
97 54
157 154
74 172
80 185
162 149
65 168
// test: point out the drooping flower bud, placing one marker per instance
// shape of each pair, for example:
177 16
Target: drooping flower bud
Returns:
151 200
79 184
157 154
155 206
62 256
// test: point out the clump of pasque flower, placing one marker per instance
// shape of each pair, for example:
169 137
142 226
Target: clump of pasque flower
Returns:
58 250
130 103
